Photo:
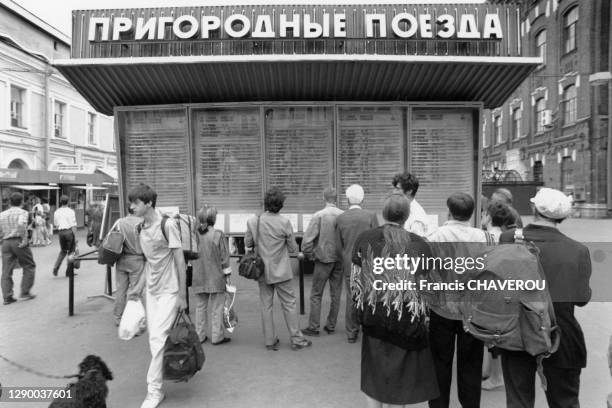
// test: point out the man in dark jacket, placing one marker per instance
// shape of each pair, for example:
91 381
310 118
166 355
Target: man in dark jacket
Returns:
349 225
567 269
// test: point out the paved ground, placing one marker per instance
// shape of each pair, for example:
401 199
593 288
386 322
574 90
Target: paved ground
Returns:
40 334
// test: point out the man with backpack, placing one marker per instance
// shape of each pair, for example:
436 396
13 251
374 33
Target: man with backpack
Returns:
456 239
165 281
566 266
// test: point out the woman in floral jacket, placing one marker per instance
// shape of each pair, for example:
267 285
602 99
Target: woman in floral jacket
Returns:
396 363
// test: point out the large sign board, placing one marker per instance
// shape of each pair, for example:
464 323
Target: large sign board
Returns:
281 29
332 25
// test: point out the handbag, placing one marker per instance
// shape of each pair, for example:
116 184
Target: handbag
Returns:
112 247
183 353
251 265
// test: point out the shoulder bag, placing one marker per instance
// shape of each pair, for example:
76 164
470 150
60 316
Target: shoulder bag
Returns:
112 247
251 265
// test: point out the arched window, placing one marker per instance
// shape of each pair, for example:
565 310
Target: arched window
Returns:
17 164
570 105
540 114
499 134
570 20
540 43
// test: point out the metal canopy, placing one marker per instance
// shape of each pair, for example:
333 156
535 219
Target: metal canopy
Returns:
110 82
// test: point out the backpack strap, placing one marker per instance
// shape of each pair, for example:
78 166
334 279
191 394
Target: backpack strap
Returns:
140 226
257 237
163 227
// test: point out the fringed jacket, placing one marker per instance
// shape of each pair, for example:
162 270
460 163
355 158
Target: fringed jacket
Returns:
385 283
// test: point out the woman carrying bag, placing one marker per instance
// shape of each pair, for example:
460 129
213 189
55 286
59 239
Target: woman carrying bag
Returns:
211 273
273 235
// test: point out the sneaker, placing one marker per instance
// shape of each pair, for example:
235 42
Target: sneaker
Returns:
489 385
310 332
273 347
27 296
300 343
153 400
55 272
353 339
9 300
225 340
328 330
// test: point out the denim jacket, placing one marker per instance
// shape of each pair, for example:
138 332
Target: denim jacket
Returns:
319 240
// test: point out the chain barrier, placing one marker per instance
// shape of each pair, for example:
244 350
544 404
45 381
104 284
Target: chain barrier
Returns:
35 372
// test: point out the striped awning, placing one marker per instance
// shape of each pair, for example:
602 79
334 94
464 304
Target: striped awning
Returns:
110 82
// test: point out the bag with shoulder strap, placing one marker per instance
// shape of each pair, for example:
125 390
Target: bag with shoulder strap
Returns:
251 265
188 231
513 318
111 248
183 353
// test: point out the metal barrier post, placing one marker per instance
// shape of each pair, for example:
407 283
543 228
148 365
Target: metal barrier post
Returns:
301 264
109 281
70 291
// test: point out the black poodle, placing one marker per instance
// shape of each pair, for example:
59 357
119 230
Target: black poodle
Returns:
90 390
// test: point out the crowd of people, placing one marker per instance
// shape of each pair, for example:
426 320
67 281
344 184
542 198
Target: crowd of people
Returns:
408 342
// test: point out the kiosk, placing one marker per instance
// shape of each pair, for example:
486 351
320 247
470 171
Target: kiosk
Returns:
216 104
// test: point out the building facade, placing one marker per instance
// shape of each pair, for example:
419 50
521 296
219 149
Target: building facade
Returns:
554 127
50 137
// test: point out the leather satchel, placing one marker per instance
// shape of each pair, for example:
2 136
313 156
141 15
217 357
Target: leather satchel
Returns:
112 246
251 265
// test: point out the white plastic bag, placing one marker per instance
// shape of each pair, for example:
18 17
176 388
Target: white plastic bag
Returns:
230 319
133 320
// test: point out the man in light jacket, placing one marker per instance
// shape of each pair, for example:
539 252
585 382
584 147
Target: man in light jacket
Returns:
319 244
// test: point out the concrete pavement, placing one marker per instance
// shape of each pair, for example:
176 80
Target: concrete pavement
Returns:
40 335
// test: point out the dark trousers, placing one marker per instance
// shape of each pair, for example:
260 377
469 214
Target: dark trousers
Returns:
324 272
442 335
11 254
67 245
350 319
519 370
